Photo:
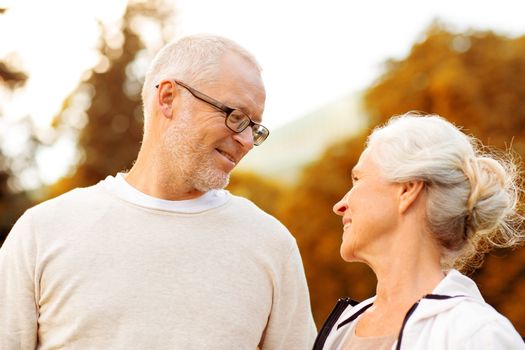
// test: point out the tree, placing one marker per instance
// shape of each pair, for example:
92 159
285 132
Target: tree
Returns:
12 201
10 77
476 80
307 212
267 194
109 138
109 130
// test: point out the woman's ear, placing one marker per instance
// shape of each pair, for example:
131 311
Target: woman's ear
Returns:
165 96
410 192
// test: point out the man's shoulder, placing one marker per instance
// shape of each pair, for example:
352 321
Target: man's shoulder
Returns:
54 214
247 207
259 221
73 200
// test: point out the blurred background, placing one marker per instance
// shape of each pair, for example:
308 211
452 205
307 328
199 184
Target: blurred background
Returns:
70 110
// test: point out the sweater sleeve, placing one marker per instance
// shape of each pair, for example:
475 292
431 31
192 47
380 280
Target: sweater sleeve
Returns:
497 335
290 325
18 310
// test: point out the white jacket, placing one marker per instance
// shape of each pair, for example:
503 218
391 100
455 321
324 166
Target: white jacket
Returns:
454 316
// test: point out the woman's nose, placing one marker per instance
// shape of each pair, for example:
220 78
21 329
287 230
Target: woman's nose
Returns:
341 206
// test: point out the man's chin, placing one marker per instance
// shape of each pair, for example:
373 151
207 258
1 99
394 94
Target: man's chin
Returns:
215 182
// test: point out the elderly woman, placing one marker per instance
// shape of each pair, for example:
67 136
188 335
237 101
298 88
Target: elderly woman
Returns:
424 200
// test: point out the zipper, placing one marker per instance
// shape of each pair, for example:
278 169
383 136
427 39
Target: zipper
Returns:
338 309
343 303
414 307
405 320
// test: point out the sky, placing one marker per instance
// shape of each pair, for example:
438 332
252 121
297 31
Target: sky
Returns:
312 52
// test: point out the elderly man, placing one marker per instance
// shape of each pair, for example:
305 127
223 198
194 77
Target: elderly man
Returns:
162 257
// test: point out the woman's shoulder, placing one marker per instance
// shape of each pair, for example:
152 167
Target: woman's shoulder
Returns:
476 311
476 322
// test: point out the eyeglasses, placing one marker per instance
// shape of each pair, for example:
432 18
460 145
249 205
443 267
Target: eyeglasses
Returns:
236 120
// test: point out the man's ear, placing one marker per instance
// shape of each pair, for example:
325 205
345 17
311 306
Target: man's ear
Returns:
410 192
165 96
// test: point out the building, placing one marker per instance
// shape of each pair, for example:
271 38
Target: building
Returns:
291 147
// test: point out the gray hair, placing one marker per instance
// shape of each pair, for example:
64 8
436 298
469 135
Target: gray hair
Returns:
472 194
192 59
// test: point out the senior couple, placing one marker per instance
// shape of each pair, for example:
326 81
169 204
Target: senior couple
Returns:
162 257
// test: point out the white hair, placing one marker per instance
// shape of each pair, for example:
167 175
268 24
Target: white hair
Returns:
193 59
472 195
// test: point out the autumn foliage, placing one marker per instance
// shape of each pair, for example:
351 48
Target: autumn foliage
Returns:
475 79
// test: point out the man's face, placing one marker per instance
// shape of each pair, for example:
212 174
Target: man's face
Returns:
201 148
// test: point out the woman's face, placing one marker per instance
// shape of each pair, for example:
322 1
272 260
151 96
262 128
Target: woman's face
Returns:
370 211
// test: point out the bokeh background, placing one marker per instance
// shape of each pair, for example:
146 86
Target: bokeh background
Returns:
474 77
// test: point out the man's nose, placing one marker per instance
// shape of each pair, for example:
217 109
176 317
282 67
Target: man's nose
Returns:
245 138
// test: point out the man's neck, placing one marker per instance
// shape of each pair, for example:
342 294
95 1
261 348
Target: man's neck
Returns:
150 176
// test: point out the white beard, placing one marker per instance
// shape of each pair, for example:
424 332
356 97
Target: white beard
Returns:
187 158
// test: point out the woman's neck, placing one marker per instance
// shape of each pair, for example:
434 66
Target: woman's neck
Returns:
403 279
411 271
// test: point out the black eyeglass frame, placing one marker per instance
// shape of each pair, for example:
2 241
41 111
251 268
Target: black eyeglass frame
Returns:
228 111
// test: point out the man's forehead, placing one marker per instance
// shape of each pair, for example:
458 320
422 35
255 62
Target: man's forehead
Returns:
249 98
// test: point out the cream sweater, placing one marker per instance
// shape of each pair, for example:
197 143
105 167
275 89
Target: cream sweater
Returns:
89 270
